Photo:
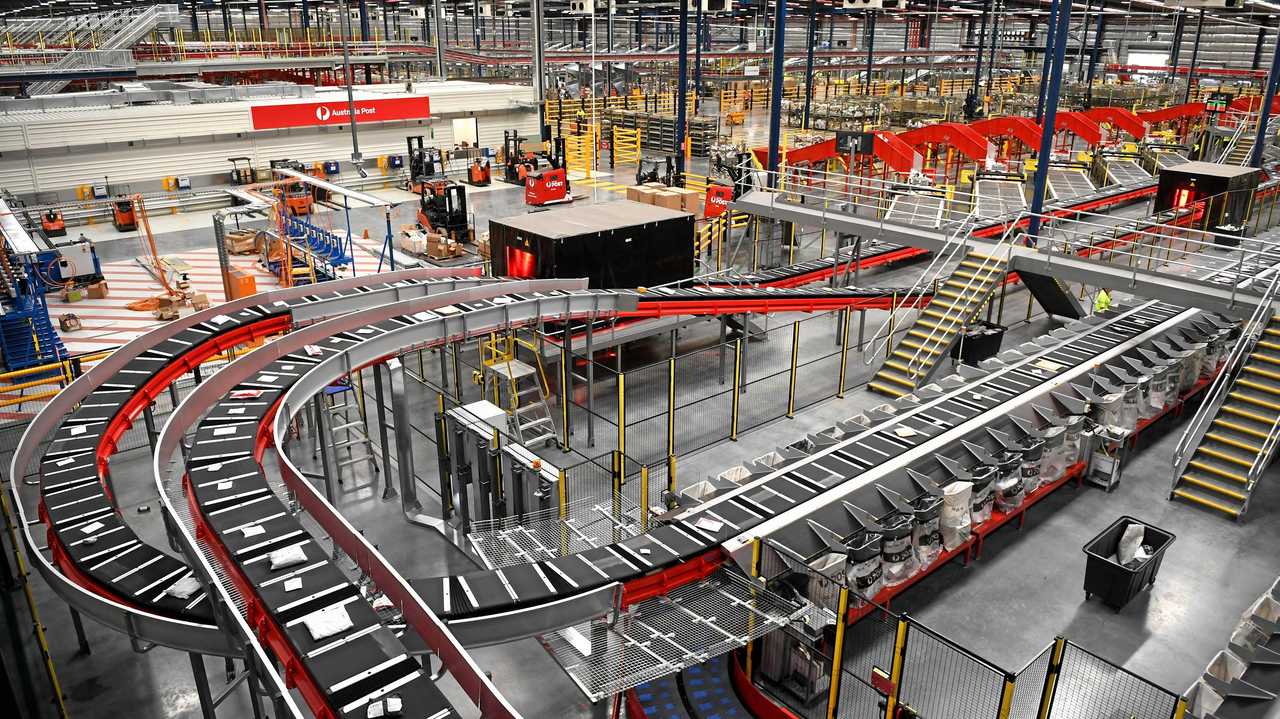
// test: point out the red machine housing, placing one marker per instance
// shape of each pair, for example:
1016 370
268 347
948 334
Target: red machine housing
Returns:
547 187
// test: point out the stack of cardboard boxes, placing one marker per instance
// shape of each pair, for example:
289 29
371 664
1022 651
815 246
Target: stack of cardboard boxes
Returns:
242 242
672 198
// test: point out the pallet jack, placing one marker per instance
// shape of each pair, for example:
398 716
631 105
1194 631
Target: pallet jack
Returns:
123 215
549 186
480 173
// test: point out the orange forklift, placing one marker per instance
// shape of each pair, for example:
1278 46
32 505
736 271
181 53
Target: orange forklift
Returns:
442 209
123 215
297 194
479 174
52 224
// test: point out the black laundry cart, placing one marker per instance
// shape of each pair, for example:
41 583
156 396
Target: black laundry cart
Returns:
1113 582
981 340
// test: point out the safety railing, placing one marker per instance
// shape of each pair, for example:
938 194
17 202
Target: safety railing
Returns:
956 241
954 320
1218 390
1180 242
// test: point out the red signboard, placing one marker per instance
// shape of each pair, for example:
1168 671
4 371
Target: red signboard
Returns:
718 199
336 112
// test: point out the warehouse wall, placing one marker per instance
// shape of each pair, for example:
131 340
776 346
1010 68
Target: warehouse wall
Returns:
138 146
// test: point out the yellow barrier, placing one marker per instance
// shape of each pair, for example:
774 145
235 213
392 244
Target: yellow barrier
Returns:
580 152
626 146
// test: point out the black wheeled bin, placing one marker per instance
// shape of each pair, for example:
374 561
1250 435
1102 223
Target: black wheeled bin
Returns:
1113 582
981 340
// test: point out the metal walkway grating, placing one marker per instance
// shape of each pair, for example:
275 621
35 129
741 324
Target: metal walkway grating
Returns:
666 634
588 523
997 198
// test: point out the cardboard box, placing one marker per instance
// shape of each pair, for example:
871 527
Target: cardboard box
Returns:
242 283
167 308
72 294
242 242
667 199
97 290
690 200
69 322
199 301
633 193
645 195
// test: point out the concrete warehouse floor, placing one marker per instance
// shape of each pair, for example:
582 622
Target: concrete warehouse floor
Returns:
1006 607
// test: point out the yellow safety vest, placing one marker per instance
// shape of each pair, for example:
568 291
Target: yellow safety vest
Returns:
1102 302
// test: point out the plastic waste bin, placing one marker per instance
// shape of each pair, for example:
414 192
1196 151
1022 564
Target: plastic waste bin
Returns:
1115 583
981 340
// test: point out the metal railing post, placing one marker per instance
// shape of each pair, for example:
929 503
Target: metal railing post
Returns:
837 654
737 389
895 672
671 406
791 382
844 353
644 497
622 412
1051 678
1006 697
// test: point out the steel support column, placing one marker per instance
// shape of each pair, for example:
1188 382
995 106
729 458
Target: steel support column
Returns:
305 15
808 63
539 65
1063 21
1264 110
1257 48
775 97
682 89
982 40
871 48
437 13
1093 58
363 7
195 19
1048 59
697 56
1084 39
1175 48
380 399
1195 57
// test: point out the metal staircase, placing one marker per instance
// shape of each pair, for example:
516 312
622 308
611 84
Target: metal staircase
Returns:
116 30
937 327
1232 438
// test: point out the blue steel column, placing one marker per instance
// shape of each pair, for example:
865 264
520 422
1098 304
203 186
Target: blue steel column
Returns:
697 56
1175 48
1049 31
775 97
364 21
808 63
682 89
982 39
1093 59
1264 116
1063 20
1195 57
195 22
306 14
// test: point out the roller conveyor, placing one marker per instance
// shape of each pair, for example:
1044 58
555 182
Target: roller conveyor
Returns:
1125 172
1068 183
765 300
998 198
917 208
88 538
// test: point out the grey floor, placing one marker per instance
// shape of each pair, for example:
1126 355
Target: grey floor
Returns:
1026 589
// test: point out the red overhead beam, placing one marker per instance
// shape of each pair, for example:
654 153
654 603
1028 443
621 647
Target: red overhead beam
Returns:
1081 125
1023 128
962 137
1120 118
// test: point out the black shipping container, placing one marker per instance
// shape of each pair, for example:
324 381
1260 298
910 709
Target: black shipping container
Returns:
1113 582
1225 191
619 244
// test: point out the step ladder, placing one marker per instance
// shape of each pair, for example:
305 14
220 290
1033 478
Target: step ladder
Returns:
939 325
529 417
1234 448
346 431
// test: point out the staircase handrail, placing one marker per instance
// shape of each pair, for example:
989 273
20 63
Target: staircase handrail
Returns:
955 242
1216 394
1006 246
1231 143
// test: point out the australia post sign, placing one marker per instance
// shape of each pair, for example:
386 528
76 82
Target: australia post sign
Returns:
336 112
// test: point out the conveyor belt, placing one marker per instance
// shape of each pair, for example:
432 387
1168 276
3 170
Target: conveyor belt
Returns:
1067 183
682 538
767 300
1125 172
997 198
1165 159
873 253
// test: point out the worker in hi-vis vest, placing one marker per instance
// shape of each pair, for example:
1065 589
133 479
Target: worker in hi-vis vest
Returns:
1102 302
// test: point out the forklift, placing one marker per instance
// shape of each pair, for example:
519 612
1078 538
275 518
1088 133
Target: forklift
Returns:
516 163
479 174
549 186
296 194
52 224
241 175
424 163
123 215
442 209
651 169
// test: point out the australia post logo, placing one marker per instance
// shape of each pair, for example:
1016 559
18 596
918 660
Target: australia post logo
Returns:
310 114
718 199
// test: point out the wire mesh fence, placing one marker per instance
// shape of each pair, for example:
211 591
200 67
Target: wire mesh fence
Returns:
942 679
1089 685
1028 687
